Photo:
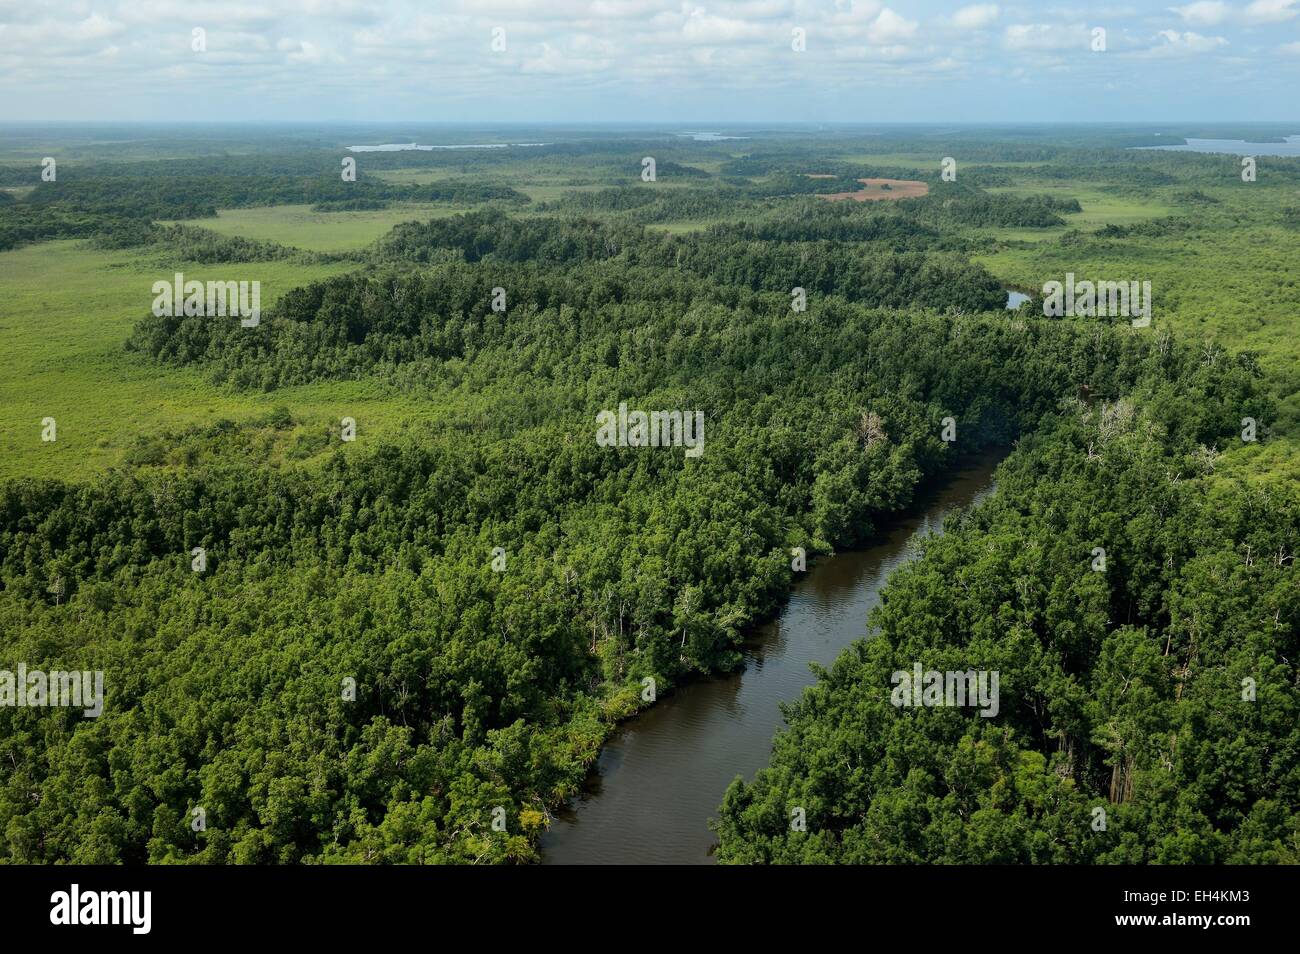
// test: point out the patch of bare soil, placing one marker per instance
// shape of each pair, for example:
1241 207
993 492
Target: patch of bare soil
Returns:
882 190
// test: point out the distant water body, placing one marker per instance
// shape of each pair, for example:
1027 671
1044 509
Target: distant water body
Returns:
710 136
402 146
1235 147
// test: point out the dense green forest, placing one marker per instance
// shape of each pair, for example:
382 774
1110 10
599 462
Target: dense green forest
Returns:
619 566
1160 689
497 586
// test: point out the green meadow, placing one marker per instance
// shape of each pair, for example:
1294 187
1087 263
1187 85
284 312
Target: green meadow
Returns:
1229 282
66 313
1101 206
299 227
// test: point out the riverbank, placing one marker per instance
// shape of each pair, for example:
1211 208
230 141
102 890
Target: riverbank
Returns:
661 775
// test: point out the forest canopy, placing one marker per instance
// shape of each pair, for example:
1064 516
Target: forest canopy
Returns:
401 626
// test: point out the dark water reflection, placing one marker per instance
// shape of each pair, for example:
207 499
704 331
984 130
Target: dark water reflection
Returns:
661 776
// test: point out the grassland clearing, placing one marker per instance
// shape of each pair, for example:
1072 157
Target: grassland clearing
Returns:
67 311
299 227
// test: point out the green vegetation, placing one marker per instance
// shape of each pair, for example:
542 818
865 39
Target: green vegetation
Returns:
68 309
308 227
1158 689
497 585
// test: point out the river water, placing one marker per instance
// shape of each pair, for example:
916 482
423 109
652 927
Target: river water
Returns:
1235 147
661 776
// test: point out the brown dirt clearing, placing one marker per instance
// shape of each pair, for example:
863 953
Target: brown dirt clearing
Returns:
872 191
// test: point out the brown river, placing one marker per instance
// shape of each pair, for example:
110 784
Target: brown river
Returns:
661 776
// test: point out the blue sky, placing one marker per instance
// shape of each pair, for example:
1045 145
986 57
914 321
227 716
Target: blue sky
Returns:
649 60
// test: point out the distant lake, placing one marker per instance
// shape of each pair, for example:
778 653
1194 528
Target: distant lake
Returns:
1015 299
401 146
1236 147
710 136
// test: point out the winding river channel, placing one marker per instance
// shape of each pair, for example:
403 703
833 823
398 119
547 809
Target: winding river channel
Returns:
661 776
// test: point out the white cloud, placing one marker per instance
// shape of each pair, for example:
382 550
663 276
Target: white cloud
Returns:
263 53
1046 36
703 27
1189 42
889 27
975 17
555 61
54 37
1271 11
176 14
1204 12
306 52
